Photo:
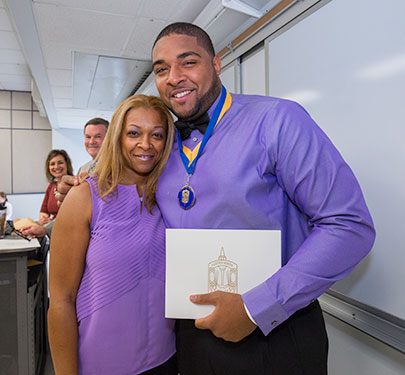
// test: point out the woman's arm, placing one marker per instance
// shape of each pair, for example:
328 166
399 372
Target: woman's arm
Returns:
70 239
44 213
43 218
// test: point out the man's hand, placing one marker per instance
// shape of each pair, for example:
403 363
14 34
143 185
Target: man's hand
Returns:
229 320
66 183
33 231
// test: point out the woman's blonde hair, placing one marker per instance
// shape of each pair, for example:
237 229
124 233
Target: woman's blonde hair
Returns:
110 160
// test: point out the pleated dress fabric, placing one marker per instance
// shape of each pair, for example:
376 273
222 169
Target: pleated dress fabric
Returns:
121 299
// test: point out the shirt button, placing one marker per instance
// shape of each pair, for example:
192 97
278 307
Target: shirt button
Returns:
274 323
195 139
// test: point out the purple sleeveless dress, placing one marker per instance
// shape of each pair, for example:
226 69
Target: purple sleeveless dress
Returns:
121 299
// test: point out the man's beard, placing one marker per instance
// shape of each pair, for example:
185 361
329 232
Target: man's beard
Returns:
204 103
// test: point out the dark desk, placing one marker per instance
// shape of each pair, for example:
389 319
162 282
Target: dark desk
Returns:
23 306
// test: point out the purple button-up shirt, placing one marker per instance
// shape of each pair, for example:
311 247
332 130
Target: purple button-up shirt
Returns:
268 165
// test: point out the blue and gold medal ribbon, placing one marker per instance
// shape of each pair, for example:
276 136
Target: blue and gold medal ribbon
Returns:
189 157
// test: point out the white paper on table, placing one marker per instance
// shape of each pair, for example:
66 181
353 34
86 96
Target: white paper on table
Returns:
195 264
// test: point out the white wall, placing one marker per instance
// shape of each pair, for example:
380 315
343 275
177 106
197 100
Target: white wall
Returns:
72 141
352 352
26 205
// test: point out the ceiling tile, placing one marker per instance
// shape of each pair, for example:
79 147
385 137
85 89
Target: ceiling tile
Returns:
188 13
62 92
10 78
5 24
57 55
111 28
63 103
179 10
143 36
74 112
8 40
159 9
81 29
11 56
16 69
76 118
124 7
60 56
73 123
60 77
15 86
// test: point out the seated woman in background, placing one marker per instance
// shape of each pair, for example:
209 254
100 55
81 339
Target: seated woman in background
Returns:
107 264
4 202
57 164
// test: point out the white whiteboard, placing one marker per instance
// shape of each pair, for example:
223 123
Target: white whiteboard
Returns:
253 73
345 64
228 78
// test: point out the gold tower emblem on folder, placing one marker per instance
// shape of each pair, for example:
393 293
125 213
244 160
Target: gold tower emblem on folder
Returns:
223 274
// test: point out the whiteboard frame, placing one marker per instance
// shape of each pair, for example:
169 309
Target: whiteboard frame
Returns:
376 323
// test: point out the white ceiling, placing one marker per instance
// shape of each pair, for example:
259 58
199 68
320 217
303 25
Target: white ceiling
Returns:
87 55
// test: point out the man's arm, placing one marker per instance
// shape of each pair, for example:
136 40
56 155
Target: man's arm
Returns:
316 179
48 228
35 231
314 176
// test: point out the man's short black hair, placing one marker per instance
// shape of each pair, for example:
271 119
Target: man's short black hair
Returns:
97 121
185 28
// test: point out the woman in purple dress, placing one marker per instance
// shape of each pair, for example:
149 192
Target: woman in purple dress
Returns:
107 268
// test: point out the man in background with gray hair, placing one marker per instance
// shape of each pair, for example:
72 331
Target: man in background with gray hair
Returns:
94 134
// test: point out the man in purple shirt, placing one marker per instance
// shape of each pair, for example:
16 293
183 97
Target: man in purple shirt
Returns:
265 165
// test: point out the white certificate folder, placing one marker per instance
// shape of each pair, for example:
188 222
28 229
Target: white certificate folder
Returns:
202 261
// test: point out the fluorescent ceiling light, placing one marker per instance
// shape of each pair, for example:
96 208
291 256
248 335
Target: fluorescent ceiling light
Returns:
242 7
103 82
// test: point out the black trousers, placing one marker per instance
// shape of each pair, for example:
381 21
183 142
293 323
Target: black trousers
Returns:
298 346
167 368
